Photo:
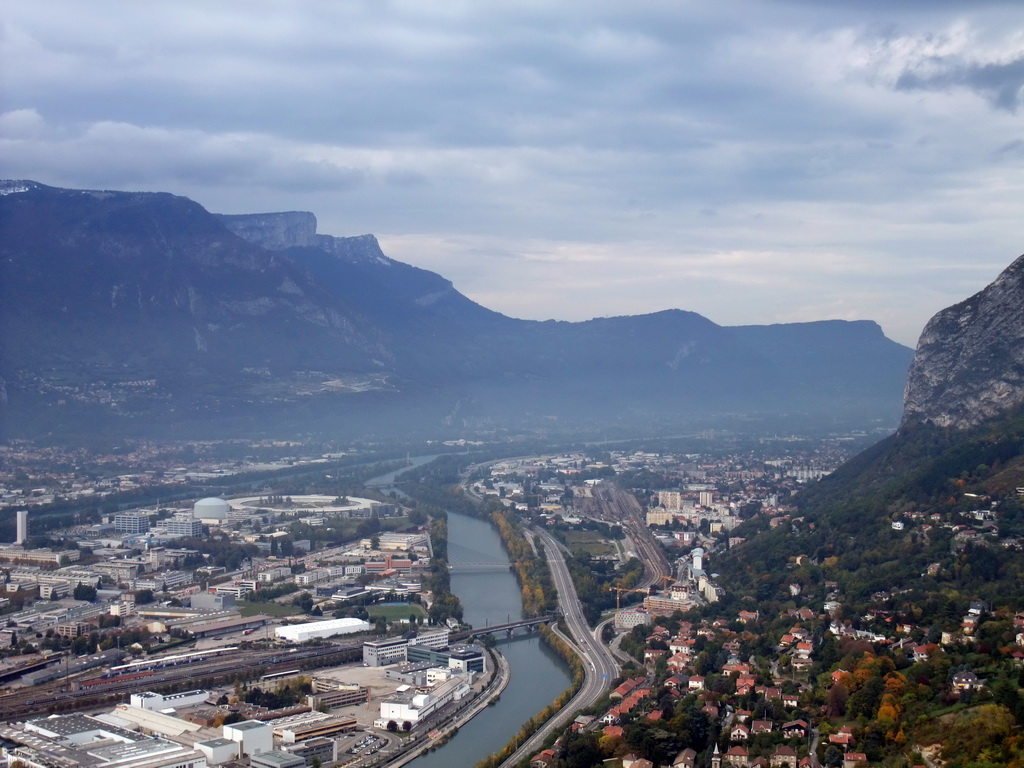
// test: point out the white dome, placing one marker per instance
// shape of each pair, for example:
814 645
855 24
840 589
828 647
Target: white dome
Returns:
205 509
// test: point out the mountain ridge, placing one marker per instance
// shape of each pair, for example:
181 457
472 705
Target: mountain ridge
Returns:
261 318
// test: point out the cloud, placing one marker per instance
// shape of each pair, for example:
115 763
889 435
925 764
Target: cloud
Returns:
760 161
21 123
1001 83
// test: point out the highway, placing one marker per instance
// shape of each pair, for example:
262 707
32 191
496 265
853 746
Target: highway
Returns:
599 667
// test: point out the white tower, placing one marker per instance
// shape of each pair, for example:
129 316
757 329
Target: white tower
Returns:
22 527
698 559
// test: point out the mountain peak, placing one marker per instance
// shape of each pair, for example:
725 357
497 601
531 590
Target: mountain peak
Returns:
969 364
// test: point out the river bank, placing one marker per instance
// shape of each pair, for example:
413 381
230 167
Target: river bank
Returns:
437 738
537 675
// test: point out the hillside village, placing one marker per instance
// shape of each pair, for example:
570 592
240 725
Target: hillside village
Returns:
806 675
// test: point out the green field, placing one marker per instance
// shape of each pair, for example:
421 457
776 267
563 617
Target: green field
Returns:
589 541
393 612
271 609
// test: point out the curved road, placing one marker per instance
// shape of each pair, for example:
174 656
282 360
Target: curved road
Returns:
599 667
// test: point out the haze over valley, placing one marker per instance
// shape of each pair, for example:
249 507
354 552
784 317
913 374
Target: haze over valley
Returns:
511 385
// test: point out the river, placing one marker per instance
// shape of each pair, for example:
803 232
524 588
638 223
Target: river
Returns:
538 674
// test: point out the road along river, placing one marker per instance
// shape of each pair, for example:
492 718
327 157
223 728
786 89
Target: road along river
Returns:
490 595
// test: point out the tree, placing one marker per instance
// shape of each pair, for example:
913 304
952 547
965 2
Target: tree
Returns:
406 725
84 592
392 726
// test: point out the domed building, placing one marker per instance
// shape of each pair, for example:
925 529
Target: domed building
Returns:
211 509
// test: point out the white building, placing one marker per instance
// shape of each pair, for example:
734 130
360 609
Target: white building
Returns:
183 524
299 633
159 702
254 737
22 526
380 653
213 509
218 751
131 522
411 707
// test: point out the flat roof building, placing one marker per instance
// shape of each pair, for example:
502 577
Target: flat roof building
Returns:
299 633
380 653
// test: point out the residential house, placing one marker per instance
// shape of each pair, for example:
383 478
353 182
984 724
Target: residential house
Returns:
795 729
761 726
965 680
613 731
736 756
685 759
783 756
843 738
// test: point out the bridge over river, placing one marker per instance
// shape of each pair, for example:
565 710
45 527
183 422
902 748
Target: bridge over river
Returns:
508 627
464 559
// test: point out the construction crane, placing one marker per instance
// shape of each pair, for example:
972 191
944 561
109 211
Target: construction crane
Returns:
620 590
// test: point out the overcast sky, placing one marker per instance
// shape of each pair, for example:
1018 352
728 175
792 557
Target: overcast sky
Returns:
757 162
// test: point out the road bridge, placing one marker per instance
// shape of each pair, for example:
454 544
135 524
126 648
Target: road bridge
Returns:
512 625
479 567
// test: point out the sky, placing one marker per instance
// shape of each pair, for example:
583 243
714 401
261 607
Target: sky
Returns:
756 162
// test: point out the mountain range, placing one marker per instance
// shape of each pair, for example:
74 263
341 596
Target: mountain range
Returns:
144 313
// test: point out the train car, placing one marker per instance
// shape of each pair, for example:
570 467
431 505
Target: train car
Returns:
108 678
170 661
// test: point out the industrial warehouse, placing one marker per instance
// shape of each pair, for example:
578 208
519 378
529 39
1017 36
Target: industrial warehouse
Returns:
300 633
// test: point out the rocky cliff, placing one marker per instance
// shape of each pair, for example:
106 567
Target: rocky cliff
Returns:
969 364
274 231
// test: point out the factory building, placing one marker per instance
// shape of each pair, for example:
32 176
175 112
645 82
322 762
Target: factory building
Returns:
299 633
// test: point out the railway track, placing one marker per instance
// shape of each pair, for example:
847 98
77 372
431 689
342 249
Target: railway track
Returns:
97 691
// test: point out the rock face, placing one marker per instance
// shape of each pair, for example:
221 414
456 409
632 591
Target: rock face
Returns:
274 230
969 364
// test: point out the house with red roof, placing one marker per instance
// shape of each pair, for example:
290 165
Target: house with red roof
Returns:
844 737
795 729
543 759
